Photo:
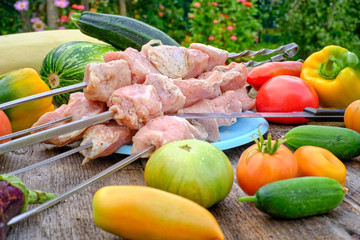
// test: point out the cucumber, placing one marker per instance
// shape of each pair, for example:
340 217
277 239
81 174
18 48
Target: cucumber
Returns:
342 142
65 64
298 197
120 31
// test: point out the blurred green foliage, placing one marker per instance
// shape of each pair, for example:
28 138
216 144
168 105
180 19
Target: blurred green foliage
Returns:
231 25
314 24
234 25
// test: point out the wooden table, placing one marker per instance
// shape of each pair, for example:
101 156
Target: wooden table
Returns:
72 218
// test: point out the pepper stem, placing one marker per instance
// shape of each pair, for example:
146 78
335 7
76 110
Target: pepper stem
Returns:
36 196
330 69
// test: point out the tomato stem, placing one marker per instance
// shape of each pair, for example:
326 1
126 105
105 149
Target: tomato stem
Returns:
267 146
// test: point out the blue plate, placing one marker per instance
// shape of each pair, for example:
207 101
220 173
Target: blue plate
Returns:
232 136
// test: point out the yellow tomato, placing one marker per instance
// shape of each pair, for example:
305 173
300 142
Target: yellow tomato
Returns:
320 162
352 116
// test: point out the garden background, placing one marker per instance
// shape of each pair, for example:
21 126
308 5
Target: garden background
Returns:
234 25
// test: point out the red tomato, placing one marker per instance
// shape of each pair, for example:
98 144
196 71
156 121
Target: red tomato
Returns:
286 94
257 168
263 73
5 126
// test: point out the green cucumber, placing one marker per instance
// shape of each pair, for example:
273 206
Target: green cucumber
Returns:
120 31
344 143
65 64
298 197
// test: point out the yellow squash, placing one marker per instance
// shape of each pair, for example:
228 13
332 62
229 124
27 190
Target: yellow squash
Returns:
139 212
22 83
28 50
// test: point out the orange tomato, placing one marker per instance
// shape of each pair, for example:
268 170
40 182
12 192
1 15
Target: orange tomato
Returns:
5 126
257 168
319 162
352 116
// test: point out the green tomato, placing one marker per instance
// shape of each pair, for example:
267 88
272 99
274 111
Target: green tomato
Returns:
191 168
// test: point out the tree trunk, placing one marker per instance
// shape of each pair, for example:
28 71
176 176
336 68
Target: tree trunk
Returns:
52 14
85 3
122 4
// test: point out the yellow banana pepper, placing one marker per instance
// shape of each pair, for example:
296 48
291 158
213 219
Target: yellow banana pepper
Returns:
334 72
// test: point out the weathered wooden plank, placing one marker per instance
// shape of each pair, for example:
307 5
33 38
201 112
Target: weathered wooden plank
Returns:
72 218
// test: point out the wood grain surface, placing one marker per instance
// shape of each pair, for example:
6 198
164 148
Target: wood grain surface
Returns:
72 218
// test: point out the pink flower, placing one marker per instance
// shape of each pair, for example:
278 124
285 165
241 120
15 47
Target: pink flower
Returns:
234 38
242 1
35 19
63 19
161 14
21 5
214 4
191 15
215 22
230 28
61 3
61 28
197 5
38 25
248 4
80 7
161 7
211 38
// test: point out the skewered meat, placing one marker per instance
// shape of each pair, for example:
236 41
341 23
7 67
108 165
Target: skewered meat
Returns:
161 130
78 107
176 62
210 125
247 102
197 63
106 139
104 78
169 60
226 103
197 89
170 95
217 57
234 76
139 64
134 105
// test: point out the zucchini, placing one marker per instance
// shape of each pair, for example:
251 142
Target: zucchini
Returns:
298 197
342 142
120 31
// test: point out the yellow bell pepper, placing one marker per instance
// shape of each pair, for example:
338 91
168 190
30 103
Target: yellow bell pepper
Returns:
22 83
334 72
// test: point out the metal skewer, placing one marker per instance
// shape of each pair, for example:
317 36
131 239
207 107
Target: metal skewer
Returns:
38 96
52 159
54 132
288 50
32 129
126 161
